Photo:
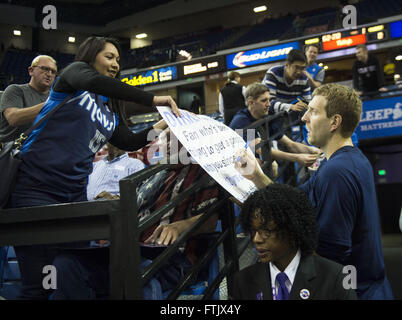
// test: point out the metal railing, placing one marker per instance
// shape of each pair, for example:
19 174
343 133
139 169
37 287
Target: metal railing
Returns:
117 220
262 127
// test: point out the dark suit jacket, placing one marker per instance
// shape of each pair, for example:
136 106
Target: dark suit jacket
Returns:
320 276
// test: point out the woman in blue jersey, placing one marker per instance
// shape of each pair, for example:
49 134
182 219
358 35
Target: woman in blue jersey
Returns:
57 156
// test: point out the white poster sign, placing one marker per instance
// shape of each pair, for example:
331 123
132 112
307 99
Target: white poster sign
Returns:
213 146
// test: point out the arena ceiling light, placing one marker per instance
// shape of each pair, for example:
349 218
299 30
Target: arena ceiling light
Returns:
185 54
260 9
17 32
398 58
71 39
141 36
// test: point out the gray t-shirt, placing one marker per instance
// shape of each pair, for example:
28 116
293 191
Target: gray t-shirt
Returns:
17 96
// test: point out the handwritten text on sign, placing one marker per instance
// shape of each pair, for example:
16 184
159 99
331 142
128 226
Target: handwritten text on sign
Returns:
213 146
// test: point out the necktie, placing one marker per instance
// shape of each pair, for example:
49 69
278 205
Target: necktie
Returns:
283 293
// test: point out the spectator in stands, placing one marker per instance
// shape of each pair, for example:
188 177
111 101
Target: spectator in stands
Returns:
83 276
21 103
368 76
195 105
389 72
288 82
257 99
339 15
172 53
298 25
108 171
289 92
315 75
57 158
314 72
342 190
231 97
283 228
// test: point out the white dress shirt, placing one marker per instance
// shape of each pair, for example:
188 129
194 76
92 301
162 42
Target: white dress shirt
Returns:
290 272
107 174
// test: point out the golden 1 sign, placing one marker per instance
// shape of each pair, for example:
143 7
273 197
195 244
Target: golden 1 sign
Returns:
154 76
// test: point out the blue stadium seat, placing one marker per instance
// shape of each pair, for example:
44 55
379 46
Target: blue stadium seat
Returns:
9 273
3 260
11 269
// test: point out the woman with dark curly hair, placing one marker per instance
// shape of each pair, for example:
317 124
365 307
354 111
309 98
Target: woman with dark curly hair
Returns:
282 225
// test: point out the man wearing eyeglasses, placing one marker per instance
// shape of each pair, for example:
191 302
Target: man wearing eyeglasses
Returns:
21 103
283 228
287 83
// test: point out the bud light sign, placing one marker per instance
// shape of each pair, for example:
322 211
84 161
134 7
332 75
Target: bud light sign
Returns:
258 56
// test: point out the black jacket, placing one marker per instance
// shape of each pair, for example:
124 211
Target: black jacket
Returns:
233 100
321 277
368 77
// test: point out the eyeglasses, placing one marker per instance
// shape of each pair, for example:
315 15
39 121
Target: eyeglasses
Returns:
299 68
264 233
46 69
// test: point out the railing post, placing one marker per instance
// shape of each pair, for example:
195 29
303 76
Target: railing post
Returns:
230 244
130 250
266 148
116 257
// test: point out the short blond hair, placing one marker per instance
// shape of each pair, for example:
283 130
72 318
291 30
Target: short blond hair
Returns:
344 101
255 90
35 61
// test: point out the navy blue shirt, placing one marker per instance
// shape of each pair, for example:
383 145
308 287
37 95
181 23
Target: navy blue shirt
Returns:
60 152
343 193
243 118
62 149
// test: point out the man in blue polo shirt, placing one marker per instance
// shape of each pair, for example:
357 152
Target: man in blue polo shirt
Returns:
314 72
342 190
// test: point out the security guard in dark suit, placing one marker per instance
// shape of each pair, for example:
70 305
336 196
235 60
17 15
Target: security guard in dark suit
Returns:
283 228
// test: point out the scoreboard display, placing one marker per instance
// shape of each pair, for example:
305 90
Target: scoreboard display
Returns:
328 42
339 40
351 38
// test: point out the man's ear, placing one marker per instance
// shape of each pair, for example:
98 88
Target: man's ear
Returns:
30 70
336 122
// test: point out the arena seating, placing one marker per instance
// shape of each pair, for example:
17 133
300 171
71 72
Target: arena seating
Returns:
201 43
14 67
